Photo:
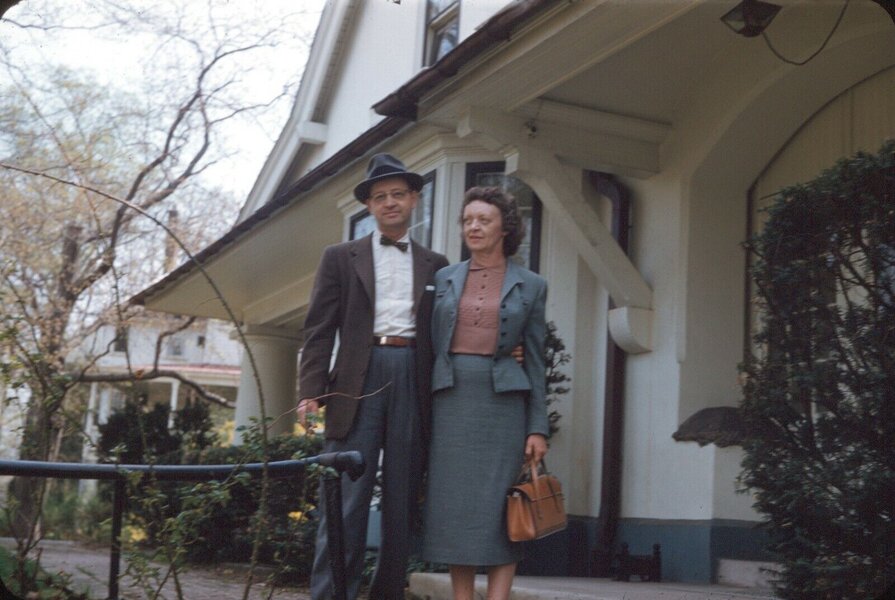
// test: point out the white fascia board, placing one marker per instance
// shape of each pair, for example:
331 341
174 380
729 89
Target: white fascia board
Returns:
299 128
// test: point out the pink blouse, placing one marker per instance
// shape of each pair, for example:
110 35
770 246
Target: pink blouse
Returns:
479 311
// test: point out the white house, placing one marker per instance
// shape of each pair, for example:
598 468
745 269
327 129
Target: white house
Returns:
205 353
650 115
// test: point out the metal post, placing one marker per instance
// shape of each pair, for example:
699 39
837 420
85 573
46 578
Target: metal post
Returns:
335 532
115 555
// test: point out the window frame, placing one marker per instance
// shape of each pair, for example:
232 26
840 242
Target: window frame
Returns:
121 339
175 347
436 24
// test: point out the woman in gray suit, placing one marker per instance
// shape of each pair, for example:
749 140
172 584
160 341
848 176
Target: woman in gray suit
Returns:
489 412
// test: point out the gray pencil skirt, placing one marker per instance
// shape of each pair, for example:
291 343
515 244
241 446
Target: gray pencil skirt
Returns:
478 441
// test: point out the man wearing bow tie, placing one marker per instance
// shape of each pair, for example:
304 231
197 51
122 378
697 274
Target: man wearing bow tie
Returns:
376 294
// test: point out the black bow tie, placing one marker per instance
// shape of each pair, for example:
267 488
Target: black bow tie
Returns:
387 241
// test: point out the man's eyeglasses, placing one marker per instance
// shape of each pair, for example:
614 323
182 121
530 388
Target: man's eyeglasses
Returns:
396 194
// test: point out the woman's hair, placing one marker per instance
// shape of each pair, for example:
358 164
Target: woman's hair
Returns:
510 218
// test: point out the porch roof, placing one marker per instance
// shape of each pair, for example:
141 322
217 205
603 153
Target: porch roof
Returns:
164 295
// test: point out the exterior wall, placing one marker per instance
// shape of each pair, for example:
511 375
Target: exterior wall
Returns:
385 34
373 66
219 347
475 12
577 305
384 50
689 223
859 119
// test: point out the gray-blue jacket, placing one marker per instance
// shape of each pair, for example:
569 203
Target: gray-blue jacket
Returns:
522 321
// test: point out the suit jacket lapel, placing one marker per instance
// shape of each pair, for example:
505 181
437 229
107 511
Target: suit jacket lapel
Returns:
362 259
422 269
457 280
512 278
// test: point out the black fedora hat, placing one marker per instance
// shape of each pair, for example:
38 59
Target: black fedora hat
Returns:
383 166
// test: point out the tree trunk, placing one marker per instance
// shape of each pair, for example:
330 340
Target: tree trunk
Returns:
26 493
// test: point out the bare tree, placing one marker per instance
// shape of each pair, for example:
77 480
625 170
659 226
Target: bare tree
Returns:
69 256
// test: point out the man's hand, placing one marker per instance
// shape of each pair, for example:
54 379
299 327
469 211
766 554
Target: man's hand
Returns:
535 447
306 406
519 354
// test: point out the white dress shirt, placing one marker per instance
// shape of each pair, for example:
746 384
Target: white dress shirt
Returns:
394 289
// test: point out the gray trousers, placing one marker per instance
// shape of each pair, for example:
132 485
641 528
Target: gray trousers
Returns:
387 421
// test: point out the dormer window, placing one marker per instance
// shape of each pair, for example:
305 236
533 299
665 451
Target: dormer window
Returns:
442 28
175 346
119 344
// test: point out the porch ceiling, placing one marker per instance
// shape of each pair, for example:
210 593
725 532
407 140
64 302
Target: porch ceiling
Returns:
646 80
267 276
641 62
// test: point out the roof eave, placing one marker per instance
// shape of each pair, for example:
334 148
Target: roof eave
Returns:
403 102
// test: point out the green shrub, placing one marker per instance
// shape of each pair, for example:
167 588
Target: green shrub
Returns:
225 531
59 519
555 356
38 583
820 394
213 522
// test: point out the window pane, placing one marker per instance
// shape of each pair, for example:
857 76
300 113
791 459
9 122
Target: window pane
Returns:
362 224
120 343
444 39
421 222
436 7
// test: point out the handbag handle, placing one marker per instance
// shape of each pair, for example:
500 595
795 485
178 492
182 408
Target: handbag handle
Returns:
535 476
533 468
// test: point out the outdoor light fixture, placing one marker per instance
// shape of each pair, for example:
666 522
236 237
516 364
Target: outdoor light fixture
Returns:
750 17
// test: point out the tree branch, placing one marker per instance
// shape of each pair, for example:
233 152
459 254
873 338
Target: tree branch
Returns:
151 374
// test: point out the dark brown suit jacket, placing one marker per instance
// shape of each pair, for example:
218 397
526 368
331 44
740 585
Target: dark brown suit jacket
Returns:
343 301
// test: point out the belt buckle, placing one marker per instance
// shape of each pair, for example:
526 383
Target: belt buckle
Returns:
381 340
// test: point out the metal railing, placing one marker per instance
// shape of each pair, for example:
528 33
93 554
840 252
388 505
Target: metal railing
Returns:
350 463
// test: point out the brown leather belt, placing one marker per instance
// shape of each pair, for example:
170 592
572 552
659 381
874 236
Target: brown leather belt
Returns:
393 340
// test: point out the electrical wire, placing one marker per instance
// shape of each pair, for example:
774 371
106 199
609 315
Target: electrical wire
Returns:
816 52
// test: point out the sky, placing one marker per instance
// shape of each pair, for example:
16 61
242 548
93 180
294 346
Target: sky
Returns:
118 58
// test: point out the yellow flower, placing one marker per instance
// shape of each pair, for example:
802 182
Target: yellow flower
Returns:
296 515
134 534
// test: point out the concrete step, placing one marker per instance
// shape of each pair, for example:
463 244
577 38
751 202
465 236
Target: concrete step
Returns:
437 586
747 573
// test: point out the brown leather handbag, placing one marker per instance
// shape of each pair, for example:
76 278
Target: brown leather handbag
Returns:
535 506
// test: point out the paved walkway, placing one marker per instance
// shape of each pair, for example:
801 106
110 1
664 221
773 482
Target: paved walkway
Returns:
88 568
436 586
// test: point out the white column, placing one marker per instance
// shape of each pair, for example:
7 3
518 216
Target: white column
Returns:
105 406
276 357
175 389
87 487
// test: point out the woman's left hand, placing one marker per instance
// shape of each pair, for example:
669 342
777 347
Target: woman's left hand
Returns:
535 447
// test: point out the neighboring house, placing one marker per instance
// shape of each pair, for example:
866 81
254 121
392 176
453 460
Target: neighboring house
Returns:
205 353
653 119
